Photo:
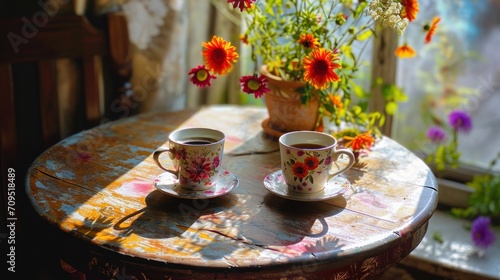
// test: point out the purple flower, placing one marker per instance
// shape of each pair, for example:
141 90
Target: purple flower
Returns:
460 121
436 134
328 160
481 233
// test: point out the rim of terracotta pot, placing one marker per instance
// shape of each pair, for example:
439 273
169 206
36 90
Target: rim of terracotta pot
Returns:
264 70
277 81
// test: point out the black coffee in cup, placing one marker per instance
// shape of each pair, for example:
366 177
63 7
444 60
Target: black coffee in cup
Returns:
198 141
308 146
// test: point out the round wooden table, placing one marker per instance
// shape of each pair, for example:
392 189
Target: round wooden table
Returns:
97 189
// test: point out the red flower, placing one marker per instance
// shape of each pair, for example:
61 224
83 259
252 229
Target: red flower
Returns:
311 162
242 4
201 76
254 85
300 169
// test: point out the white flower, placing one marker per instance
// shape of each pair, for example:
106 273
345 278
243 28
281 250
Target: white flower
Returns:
388 13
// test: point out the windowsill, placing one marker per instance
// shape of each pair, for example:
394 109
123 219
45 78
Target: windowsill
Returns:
462 174
456 257
453 194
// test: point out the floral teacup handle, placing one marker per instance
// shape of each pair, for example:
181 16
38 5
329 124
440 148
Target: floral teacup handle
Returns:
335 156
156 157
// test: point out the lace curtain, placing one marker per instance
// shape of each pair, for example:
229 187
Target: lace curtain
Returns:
166 37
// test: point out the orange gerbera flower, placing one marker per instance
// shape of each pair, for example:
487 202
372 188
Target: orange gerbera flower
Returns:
411 9
308 41
319 66
218 55
362 141
336 101
431 29
405 51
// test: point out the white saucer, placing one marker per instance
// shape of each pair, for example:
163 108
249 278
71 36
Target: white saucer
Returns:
275 183
166 182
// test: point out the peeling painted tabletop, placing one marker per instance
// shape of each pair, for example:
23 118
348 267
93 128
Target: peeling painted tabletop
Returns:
96 187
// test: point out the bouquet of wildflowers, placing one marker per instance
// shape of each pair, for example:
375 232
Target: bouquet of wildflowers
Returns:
317 42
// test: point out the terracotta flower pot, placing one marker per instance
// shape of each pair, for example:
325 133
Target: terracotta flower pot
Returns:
286 111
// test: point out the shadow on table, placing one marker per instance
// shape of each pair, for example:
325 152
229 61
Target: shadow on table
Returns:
283 222
276 223
155 220
259 144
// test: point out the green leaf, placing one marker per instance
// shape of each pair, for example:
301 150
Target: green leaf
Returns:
360 8
358 90
347 51
363 105
381 121
391 92
269 10
304 98
437 236
301 90
388 91
364 35
378 82
356 110
399 95
391 107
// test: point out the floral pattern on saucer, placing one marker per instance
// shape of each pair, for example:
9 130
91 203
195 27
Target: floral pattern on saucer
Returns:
275 183
168 184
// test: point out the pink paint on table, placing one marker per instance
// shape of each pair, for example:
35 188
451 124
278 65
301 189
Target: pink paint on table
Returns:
136 188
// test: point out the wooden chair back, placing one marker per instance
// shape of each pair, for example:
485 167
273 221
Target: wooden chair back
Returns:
39 44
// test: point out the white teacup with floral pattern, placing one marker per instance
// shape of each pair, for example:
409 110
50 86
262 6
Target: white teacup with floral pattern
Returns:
307 158
196 157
